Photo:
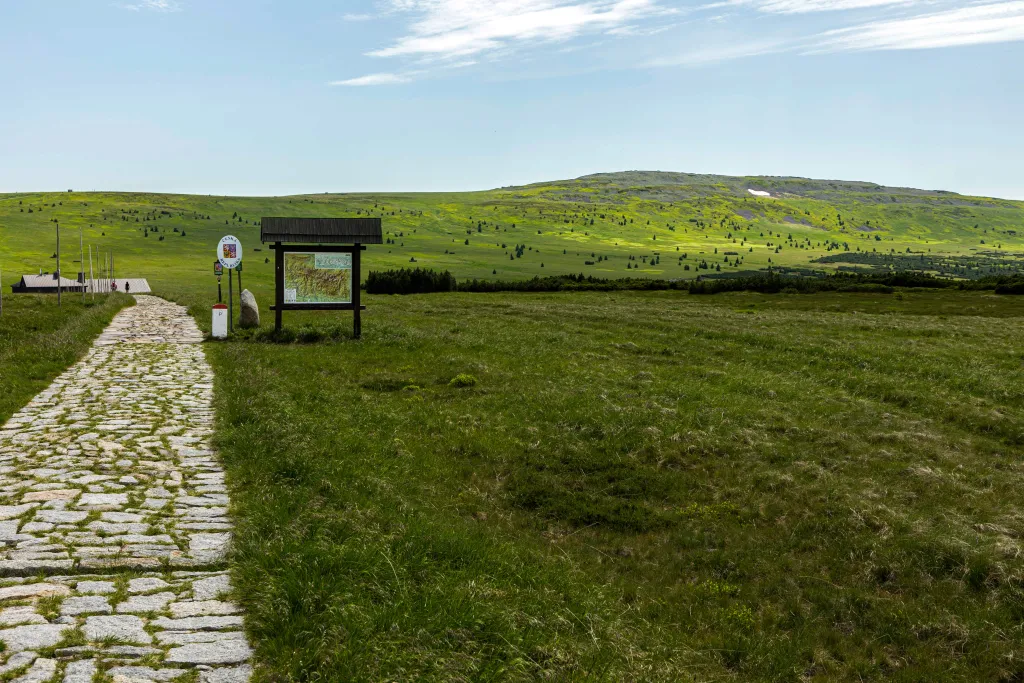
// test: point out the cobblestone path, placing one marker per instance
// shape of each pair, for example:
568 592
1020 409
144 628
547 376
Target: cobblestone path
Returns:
113 517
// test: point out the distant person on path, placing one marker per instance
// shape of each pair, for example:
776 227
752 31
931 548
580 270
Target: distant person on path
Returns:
113 285
127 287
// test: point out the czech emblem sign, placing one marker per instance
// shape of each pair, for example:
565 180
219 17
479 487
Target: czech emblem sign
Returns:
229 251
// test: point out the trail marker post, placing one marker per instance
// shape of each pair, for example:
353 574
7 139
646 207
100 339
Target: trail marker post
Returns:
220 321
317 263
229 253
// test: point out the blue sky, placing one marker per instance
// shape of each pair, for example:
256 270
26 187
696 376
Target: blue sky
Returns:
268 97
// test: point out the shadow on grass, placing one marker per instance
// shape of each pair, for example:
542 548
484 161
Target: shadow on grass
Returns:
306 334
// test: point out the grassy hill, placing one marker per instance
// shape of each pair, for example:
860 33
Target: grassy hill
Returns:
641 224
621 486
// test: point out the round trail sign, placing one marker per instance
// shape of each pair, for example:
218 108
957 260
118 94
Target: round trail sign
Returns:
229 251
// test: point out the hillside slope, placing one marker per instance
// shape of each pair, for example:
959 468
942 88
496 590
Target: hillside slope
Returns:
637 223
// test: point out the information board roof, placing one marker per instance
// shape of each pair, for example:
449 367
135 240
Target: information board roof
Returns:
322 230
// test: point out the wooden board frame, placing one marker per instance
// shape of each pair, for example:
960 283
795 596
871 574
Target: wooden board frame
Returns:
279 307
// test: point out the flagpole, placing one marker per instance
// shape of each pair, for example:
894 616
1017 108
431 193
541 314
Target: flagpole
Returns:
81 250
58 264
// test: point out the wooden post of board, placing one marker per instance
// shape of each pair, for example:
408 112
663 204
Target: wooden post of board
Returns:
357 325
278 285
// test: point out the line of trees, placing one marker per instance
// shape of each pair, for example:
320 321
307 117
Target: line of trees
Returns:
425 280
409 281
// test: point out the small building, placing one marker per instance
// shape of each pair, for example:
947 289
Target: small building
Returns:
46 283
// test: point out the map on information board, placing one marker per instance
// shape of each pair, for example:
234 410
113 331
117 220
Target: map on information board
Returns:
317 278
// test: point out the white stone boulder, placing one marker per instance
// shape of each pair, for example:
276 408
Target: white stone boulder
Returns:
250 315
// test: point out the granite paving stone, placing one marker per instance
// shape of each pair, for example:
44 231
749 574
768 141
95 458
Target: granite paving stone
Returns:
110 470
123 629
86 604
33 637
41 671
146 603
80 671
18 660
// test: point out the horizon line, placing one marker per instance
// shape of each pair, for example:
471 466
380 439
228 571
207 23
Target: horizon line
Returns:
290 193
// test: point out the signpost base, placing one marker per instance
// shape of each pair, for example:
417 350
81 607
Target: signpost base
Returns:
220 321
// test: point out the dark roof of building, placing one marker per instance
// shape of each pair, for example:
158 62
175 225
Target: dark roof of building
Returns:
47 281
322 230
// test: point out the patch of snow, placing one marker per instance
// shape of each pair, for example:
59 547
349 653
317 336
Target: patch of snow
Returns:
759 193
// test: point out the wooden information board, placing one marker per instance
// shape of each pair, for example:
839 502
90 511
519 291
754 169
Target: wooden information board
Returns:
317 263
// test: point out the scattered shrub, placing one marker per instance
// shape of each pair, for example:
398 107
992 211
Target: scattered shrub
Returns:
462 380
559 283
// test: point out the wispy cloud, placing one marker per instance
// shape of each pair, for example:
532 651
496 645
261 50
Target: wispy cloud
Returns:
993 22
445 34
712 54
374 79
154 5
357 17
976 24
633 30
446 29
807 6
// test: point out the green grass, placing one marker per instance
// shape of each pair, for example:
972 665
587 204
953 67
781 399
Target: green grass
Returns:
638 486
645 221
632 486
39 340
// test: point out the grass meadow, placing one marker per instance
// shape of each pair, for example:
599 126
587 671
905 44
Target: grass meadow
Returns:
623 486
636 486
595 486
